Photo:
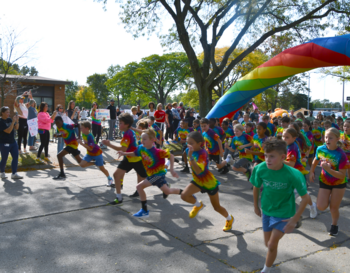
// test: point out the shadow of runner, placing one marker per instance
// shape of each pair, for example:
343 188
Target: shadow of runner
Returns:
17 188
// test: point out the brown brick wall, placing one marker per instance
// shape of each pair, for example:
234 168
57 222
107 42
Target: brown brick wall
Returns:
59 96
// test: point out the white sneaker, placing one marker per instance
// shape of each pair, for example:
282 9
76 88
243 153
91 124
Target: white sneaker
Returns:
38 159
110 181
229 160
16 176
3 175
313 210
182 163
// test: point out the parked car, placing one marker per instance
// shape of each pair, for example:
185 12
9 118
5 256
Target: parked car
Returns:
326 114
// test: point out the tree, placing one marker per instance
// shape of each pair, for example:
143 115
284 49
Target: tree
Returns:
266 100
155 76
116 92
85 96
71 91
10 54
204 23
98 84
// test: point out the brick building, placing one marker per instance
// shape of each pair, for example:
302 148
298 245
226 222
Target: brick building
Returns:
47 90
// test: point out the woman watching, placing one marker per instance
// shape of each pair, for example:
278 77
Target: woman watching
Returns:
159 115
44 126
73 113
151 111
176 117
32 113
8 143
60 141
190 117
169 123
139 112
96 123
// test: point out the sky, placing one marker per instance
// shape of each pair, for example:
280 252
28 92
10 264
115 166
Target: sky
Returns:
75 39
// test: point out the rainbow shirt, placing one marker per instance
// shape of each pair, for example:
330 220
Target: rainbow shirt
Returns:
229 133
242 140
338 160
310 137
205 179
211 141
251 133
318 133
68 135
335 126
293 154
197 129
345 139
157 130
94 120
279 131
258 147
153 159
90 141
183 133
219 131
271 128
129 141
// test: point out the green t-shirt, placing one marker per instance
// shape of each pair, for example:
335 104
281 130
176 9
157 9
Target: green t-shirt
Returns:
277 198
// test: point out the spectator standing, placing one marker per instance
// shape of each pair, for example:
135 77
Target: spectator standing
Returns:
254 117
169 122
73 113
134 116
60 142
139 112
159 116
113 118
151 111
95 123
343 114
83 114
190 117
176 118
181 110
118 112
44 126
32 113
8 143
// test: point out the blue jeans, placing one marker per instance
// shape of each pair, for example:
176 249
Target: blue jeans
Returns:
77 132
5 149
60 144
30 140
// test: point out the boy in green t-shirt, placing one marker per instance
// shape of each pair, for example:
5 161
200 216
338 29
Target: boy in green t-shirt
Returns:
277 200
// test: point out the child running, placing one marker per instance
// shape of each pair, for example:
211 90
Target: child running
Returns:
270 127
345 140
308 133
258 143
203 180
318 133
159 132
93 151
183 132
128 144
334 163
217 129
285 121
279 180
248 129
197 126
67 132
153 160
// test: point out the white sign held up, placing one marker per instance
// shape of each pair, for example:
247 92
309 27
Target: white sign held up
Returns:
102 113
33 126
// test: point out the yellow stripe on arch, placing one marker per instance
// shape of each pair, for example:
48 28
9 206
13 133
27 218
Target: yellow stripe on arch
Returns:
273 72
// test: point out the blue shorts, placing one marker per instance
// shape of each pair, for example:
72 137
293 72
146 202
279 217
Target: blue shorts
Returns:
157 180
98 159
270 223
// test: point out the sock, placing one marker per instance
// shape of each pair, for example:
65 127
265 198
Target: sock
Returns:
266 269
197 204
167 163
119 196
229 217
62 171
109 177
144 205
180 191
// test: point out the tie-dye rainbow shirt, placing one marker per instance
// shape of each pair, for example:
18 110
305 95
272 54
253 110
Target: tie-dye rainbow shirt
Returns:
197 129
229 133
244 139
205 179
271 128
157 130
338 160
211 141
345 139
279 132
310 137
183 133
90 141
129 141
68 135
219 131
94 120
258 147
293 154
153 159
251 133
318 133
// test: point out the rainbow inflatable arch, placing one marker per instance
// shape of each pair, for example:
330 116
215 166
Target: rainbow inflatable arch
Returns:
320 52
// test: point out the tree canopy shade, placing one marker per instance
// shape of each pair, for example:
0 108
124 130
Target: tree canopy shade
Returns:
249 22
155 76
97 83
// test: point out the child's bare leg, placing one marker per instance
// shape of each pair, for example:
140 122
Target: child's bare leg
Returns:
85 164
118 178
272 245
103 169
214 199
189 191
241 169
168 190
78 158
140 188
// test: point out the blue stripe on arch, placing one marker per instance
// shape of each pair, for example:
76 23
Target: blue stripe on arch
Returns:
337 44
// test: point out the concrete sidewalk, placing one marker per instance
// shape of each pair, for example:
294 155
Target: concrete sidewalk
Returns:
66 226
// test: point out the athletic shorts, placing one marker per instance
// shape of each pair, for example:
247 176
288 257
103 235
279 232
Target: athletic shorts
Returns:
98 159
72 151
329 187
127 166
242 163
203 190
311 156
270 223
215 158
157 180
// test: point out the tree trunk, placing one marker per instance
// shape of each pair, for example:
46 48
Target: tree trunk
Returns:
2 94
205 99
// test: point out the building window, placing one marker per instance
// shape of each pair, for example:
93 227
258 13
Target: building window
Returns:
43 94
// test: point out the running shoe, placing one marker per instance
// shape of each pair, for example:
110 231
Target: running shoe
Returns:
333 231
116 202
60 176
165 196
174 141
3 175
16 176
167 142
142 213
182 163
299 223
110 182
230 159
47 160
195 210
185 170
39 160
135 194
248 173
229 223
313 210
225 170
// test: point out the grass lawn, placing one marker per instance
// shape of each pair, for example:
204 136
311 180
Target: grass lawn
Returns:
173 147
24 160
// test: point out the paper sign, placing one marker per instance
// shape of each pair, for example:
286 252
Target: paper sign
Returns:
33 126
102 113
67 120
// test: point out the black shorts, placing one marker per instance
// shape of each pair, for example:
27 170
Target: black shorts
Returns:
127 166
72 151
328 187
215 158
203 190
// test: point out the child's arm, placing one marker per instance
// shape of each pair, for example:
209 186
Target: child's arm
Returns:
312 170
220 146
229 148
136 130
248 151
126 153
172 171
256 192
160 137
193 162
305 199
89 148
338 174
245 146
289 163
117 148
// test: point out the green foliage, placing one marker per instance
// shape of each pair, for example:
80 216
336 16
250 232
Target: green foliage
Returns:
71 91
98 84
154 78
85 97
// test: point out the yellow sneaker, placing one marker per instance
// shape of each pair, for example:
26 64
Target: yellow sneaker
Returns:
195 210
47 160
229 224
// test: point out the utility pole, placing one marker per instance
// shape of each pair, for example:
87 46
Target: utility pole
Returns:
308 94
